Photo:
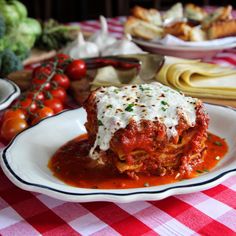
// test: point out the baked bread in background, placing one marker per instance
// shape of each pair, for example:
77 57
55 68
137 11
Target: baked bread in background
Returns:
222 29
142 29
175 13
193 12
151 15
179 29
220 14
189 23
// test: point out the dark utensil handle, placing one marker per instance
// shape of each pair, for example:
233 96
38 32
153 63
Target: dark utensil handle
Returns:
117 62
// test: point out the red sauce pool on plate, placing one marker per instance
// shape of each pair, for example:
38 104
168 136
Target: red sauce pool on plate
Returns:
72 165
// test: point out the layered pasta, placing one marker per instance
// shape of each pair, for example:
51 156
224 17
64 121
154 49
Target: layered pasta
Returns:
146 129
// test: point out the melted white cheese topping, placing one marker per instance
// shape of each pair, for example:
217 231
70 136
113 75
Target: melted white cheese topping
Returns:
155 102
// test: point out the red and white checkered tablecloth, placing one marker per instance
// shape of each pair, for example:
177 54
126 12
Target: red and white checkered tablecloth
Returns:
210 212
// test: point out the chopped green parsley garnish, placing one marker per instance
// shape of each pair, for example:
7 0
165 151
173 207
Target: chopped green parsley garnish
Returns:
142 88
130 107
202 171
164 103
100 123
217 143
116 91
109 106
163 109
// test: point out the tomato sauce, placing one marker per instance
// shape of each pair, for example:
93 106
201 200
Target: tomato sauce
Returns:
72 165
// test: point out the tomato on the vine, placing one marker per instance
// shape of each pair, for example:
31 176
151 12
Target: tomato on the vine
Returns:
55 104
28 104
34 94
42 71
13 113
61 80
38 82
62 60
58 93
61 57
12 127
44 111
76 69
41 113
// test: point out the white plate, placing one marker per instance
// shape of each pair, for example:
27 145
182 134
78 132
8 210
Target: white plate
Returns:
181 51
8 92
25 160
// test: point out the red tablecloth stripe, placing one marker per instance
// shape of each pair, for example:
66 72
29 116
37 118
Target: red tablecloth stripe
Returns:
106 211
177 209
31 209
230 60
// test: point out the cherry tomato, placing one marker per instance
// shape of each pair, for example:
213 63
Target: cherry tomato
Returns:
62 80
55 104
62 60
38 82
42 113
12 127
61 57
42 71
14 113
27 103
76 69
39 96
59 93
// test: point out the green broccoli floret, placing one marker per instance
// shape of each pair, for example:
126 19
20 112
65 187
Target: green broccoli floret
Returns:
2 26
9 62
20 50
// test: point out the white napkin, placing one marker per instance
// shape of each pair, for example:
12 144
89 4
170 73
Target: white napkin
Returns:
174 41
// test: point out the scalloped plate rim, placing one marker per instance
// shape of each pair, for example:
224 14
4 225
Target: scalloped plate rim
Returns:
129 195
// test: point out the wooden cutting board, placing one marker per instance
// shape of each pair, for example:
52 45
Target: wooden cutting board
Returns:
37 56
22 79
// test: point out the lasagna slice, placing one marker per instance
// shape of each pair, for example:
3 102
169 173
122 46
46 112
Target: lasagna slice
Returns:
146 129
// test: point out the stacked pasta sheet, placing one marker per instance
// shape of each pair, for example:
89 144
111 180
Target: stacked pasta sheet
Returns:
198 79
192 77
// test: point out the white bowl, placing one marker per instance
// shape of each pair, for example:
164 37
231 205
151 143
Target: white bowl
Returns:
25 159
8 92
181 51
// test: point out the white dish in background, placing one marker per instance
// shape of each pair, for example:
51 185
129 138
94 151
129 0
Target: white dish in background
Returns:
8 92
182 51
25 160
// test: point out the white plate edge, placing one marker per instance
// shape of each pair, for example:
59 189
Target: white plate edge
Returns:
99 196
12 96
157 45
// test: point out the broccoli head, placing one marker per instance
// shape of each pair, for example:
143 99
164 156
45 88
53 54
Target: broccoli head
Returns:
20 50
9 62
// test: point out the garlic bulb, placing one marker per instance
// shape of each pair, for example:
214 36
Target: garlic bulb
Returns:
102 38
122 46
80 48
